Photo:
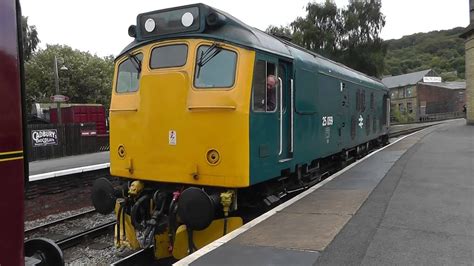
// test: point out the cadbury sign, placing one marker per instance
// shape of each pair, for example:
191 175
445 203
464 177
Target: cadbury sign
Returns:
44 137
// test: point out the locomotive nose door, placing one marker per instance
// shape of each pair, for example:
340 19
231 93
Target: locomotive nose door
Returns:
285 110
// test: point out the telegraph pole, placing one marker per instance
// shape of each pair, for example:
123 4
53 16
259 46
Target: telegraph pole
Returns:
56 77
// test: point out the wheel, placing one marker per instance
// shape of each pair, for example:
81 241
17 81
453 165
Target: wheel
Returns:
103 196
44 250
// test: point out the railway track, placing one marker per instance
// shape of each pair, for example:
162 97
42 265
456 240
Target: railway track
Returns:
408 131
58 221
78 238
65 242
140 257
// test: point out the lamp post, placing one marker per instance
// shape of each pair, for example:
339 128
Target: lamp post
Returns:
56 79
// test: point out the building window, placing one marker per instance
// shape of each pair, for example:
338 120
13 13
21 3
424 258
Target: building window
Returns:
409 92
401 93
410 107
401 107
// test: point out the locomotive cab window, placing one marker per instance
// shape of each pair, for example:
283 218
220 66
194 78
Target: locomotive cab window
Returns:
215 67
169 56
129 74
265 84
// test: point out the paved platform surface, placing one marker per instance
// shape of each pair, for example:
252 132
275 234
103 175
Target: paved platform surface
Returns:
64 163
410 203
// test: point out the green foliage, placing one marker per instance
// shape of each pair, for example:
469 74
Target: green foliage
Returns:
321 30
400 117
442 51
396 115
279 31
349 36
364 49
88 78
29 37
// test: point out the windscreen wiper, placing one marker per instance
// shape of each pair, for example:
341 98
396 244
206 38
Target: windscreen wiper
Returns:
207 56
137 62
210 53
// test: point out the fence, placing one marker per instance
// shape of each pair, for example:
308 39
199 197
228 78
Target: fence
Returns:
441 116
431 117
53 141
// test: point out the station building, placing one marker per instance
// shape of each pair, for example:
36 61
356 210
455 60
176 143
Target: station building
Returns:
422 96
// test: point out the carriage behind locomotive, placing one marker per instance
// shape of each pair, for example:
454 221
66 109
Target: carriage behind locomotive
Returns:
193 135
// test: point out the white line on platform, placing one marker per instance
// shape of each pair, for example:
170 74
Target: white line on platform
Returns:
218 242
68 171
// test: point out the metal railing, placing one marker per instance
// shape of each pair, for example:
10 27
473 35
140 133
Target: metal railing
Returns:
441 116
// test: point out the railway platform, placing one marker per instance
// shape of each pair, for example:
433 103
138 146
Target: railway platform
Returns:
45 169
408 203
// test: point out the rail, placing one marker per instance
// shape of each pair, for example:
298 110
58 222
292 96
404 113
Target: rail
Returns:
55 222
76 239
140 257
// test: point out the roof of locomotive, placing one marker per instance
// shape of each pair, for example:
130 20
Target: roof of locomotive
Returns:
237 32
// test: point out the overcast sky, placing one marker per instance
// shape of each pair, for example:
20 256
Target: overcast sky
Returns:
100 26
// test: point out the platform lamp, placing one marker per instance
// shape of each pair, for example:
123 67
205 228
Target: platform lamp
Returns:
56 79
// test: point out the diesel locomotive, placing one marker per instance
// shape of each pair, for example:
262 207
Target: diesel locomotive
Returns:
197 132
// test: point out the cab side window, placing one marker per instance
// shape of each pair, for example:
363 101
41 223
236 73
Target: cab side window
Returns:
265 84
129 74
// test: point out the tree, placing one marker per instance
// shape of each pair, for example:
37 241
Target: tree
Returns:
349 36
439 50
281 31
321 30
87 80
362 48
29 37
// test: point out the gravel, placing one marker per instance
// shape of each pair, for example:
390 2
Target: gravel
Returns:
54 217
97 251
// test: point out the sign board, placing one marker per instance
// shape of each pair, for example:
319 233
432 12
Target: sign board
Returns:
88 133
59 98
44 137
431 79
172 137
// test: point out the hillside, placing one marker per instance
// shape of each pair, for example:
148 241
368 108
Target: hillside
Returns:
442 51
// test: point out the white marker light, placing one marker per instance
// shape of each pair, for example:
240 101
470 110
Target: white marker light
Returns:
150 25
187 19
